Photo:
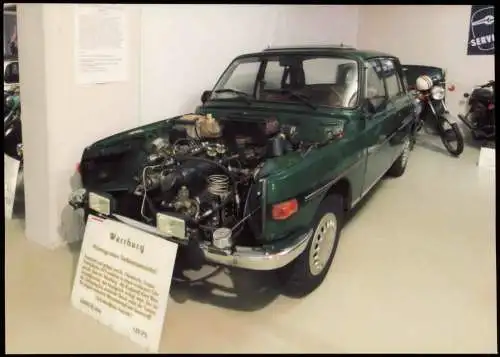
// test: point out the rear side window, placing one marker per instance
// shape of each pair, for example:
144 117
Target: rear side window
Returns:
11 74
392 78
375 89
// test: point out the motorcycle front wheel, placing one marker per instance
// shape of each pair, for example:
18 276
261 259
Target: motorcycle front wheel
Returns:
451 136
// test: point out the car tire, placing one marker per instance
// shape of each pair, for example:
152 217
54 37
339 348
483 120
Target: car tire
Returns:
302 276
398 168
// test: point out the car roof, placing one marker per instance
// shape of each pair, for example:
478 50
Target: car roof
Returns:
341 49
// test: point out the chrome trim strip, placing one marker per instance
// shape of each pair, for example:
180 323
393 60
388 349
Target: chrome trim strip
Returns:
263 203
365 192
336 179
265 258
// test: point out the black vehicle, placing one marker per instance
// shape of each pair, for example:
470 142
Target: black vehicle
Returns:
12 125
430 90
480 117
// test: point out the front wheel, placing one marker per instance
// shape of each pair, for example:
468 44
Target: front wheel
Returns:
302 276
451 136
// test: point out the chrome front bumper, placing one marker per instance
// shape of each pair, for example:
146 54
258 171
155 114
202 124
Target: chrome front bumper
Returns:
263 258
267 257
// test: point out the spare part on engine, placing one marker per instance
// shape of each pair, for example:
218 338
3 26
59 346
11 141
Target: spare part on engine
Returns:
271 126
159 144
218 185
204 126
184 204
277 145
221 238
291 133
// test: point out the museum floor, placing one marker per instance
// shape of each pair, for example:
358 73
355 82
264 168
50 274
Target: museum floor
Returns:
414 272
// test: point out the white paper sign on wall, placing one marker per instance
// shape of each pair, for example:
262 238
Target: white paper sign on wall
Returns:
11 171
101 40
123 279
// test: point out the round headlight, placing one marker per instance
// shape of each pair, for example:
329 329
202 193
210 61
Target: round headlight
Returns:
9 101
437 93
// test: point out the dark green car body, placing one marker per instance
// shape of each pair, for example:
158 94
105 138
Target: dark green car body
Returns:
355 146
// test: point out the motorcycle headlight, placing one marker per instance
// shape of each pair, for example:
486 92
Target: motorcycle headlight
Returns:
9 101
437 93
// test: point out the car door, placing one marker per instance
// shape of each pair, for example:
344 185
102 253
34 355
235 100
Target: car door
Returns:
377 132
398 107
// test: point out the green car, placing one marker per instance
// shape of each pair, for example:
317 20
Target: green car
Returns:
262 174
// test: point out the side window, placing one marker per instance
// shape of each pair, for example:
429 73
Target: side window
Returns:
392 78
375 90
273 75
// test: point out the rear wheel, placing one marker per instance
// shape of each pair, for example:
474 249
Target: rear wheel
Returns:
302 276
398 168
451 136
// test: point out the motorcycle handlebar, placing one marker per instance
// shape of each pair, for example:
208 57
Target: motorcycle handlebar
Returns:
489 84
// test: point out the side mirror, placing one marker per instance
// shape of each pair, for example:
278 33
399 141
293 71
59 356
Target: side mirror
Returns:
206 94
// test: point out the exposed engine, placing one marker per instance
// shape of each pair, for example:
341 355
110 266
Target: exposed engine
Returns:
205 169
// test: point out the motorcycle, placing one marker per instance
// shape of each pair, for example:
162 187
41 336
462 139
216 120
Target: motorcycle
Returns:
13 146
434 113
480 117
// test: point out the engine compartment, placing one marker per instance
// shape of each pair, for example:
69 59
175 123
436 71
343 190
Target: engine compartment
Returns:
204 171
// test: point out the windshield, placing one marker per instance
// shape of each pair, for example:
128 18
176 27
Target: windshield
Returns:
312 80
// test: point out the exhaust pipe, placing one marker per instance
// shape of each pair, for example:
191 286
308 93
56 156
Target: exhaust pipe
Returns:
465 121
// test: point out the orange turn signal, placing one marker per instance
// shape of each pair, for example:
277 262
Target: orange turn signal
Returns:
283 210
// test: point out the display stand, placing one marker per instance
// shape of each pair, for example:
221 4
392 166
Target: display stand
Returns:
11 171
487 157
123 279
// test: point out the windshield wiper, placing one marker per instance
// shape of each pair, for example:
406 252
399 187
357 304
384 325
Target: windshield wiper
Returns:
240 94
303 98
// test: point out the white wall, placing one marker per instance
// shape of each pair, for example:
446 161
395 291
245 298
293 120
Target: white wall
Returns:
433 35
186 47
61 117
176 51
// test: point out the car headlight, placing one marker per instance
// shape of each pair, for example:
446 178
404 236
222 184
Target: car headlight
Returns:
99 203
172 226
437 93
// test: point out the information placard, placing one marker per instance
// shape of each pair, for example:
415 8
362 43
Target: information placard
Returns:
123 279
101 43
487 158
10 173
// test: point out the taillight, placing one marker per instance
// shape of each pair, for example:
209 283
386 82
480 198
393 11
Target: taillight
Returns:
78 167
491 106
283 210
451 87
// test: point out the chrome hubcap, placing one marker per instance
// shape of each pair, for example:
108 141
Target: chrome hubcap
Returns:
322 243
406 152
